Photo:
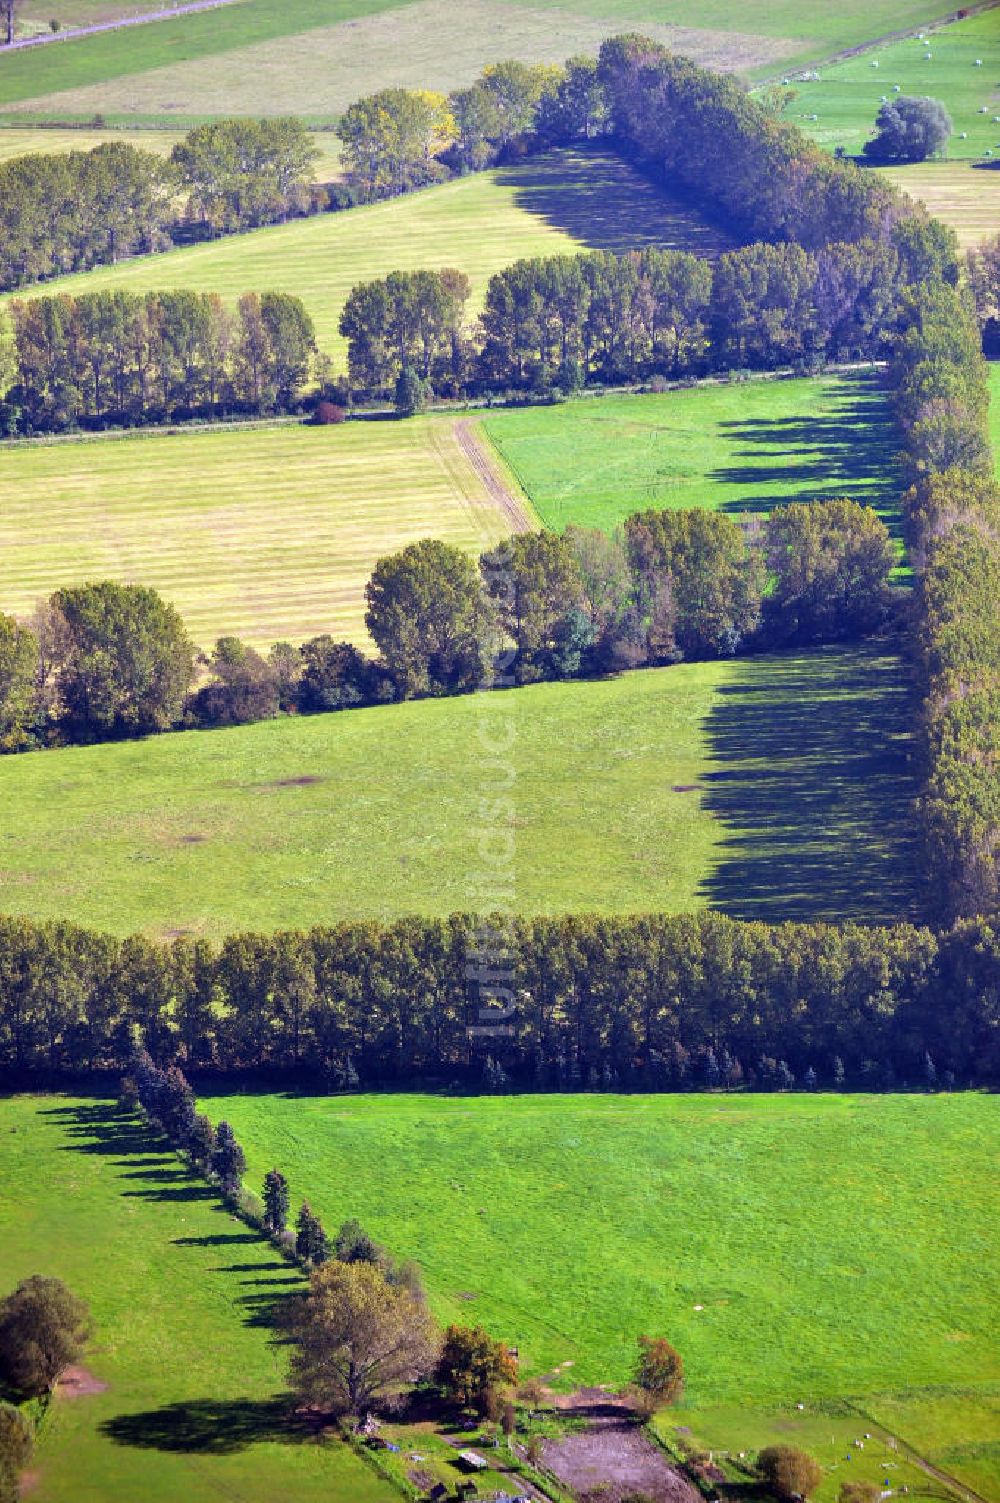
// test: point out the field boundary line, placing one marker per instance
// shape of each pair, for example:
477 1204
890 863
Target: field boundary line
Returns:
71 34
504 491
961 1489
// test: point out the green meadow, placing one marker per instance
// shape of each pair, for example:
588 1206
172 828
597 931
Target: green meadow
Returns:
848 95
788 1246
738 447
554 204
182 1297
772 788
313 58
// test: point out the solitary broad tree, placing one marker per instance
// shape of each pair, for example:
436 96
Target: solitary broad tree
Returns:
788 1472
358 1339
909 129
44 1328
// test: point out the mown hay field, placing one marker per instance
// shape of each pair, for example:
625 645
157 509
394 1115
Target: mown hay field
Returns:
192 1399
315 57
555 204
771 788
962 195
789 1246
267 533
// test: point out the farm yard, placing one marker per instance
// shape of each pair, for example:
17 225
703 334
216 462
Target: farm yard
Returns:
314 58
737 447
556 203
843 1287
187 1398
767 787
267 533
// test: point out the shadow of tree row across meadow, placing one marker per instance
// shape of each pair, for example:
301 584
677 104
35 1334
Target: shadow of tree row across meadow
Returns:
813 784
148 1169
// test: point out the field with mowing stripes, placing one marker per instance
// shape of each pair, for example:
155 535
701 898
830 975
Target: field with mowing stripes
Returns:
788 1244
181 1295
848 95
313 58
962 195
268 533
772 788
737 447
554 204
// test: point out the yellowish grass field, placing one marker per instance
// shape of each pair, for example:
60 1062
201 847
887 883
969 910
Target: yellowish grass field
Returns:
267 533
551 205
966 197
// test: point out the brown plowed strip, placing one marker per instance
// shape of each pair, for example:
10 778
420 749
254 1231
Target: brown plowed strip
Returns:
515 508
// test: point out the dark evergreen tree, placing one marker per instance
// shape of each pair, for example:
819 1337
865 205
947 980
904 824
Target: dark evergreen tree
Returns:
276 1202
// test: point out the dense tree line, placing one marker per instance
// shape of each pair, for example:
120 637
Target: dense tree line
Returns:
634 1003
62 212
563 321
102 661
941 396
121 357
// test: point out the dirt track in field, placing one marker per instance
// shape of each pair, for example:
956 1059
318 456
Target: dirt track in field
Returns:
498 488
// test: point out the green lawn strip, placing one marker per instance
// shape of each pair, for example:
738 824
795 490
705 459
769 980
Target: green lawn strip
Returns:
788 1246
771 788
848 95
731 446
137 49
181 1295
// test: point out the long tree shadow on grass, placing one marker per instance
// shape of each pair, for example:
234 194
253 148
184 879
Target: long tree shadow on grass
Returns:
211 1427
597 198
149 1170
849 451
814 788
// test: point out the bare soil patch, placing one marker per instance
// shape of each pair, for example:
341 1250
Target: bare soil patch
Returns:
305 780
79 1383
612 1453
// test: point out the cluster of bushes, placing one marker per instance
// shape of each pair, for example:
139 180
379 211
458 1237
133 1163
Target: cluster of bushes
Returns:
122 357
941 396
62 212
102 661
562 321
638 1003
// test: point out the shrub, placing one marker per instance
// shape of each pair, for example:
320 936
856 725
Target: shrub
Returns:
43 1330
325 413
789 1473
